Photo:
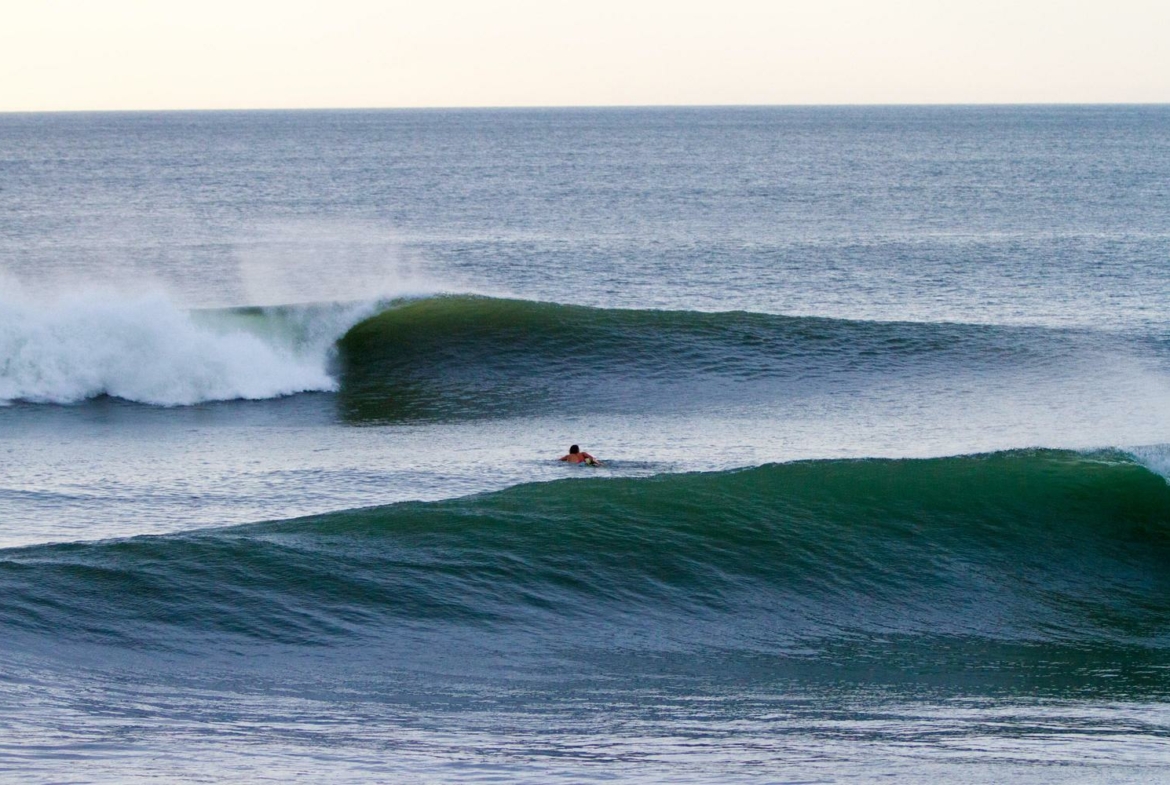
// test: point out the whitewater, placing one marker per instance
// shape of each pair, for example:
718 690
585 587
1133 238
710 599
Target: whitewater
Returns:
883 398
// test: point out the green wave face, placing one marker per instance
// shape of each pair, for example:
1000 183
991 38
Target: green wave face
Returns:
464 357
1022 547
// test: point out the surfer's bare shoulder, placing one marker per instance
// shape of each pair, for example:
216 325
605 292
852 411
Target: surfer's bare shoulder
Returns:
577 455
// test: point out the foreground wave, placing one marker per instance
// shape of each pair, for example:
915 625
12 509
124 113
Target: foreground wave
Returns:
1010 547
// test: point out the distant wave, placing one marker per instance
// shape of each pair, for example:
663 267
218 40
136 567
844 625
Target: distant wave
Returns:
467 356
148 350
1026 547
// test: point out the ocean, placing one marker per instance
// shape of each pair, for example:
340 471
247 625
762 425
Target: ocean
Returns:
881 395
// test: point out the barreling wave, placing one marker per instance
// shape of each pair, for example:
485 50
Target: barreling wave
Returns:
1009 547
145 349
453 357
465 356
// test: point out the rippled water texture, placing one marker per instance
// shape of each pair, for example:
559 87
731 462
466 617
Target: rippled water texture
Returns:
882 397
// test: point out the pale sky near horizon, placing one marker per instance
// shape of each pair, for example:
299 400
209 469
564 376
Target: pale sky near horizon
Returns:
240 54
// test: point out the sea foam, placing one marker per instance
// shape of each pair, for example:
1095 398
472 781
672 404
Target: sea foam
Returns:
145 348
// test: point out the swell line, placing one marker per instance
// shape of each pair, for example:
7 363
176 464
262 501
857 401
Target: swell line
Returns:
1034 546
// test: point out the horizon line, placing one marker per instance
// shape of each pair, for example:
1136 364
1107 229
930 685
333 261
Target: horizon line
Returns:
545 107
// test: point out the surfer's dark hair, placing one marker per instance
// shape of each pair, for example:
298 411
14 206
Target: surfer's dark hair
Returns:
574 450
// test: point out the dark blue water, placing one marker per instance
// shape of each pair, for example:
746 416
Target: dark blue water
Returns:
883 396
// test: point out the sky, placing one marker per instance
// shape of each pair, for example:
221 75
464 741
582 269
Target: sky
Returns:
262 54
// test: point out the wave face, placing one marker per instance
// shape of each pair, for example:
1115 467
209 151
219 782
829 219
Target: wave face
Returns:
145 349
467 356
1018 547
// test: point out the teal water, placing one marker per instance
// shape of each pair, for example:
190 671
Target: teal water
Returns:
881 396
1044 547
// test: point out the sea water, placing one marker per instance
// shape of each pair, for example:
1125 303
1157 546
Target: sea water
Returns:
882 396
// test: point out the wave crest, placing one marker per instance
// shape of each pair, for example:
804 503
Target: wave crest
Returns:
148 350
455 357
1019 547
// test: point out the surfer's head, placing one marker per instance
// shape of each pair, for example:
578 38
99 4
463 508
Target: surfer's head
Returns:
574 450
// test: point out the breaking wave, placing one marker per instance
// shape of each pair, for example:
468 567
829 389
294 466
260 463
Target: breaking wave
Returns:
148 350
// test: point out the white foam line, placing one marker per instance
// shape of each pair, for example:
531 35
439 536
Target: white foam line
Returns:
146 349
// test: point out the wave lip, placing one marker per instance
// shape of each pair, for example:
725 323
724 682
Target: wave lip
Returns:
456 357
147 350
1021 547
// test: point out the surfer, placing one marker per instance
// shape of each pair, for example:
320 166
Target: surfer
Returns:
576 455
